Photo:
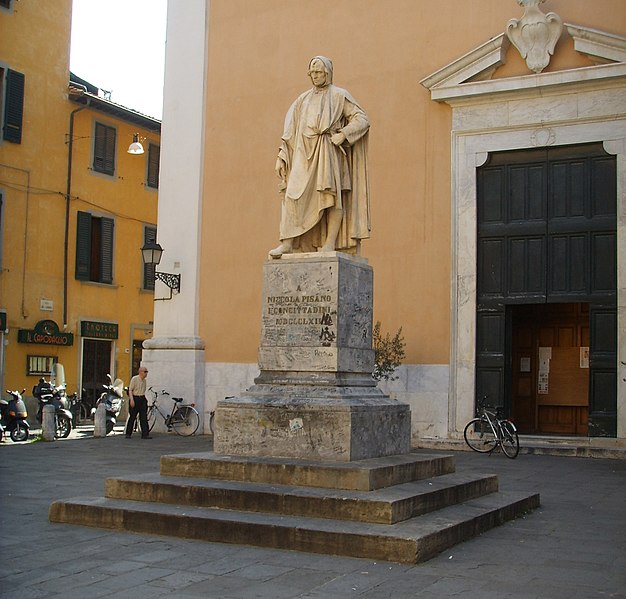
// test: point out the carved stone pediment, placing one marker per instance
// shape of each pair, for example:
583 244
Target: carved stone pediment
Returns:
535 35
599 47
470 76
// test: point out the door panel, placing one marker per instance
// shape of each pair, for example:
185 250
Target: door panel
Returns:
604 263
491 342
603 372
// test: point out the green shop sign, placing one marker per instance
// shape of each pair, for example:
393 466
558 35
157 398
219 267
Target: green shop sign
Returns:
98 330
46 332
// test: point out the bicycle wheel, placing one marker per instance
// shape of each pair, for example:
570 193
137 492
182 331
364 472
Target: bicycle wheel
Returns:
151 417
510 440
185 421
479 435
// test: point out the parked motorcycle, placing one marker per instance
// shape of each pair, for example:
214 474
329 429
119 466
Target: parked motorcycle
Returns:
49 394
14 416
112 398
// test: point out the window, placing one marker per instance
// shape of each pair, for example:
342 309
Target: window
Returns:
5 3
104 149
149 234
154 154
40 365
94 248
13 106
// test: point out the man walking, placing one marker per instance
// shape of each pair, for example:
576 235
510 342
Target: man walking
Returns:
138 404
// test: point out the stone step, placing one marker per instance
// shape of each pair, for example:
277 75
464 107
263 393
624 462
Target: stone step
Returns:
387 505
410 541
362 475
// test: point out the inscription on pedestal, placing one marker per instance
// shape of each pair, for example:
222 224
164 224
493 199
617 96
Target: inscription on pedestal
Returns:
317 315
300 319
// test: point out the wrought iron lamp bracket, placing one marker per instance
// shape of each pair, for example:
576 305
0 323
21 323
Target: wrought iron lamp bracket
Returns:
171 280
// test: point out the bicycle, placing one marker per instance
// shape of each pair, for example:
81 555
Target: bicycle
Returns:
489 430
184 419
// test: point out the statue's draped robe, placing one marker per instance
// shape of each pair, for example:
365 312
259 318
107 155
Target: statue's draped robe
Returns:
321 175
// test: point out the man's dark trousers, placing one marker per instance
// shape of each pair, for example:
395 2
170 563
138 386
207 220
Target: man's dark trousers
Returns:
141 409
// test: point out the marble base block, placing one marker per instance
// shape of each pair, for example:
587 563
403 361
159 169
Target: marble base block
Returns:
317 314
315 397
347 427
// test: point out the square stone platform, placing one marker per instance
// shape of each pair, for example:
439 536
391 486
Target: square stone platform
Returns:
402 508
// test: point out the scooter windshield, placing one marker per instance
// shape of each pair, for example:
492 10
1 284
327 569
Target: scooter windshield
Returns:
57 375
118 385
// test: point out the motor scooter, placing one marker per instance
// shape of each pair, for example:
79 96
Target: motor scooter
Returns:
47 393
14 416
113 399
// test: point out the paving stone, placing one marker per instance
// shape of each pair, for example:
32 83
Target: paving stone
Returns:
515 561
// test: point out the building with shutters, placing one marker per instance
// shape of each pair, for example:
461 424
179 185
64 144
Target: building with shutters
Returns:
75 209
497 156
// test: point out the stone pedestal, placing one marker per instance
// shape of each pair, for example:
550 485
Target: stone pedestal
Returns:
315 397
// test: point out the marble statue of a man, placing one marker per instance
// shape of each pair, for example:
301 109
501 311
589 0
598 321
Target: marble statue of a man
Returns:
322 165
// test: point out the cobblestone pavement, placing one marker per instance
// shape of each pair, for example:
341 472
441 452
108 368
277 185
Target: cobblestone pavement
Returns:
573 546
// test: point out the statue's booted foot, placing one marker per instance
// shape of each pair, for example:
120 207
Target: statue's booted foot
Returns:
283 248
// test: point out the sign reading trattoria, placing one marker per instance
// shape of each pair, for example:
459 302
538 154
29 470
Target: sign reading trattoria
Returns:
98 330
46 332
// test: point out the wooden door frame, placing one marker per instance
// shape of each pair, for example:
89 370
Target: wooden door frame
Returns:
533 317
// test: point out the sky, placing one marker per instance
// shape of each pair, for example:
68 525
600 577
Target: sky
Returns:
119 46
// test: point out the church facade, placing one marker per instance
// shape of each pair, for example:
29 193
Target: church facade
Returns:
497 164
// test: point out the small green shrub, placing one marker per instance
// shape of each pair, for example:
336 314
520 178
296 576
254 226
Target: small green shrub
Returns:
388 353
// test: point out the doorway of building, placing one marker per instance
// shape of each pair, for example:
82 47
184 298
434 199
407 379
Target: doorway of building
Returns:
550 368
96 366
547 288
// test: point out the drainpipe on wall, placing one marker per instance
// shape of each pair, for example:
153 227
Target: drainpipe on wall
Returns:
67 210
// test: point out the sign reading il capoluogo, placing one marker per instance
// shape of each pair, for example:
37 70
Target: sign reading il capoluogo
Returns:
46 332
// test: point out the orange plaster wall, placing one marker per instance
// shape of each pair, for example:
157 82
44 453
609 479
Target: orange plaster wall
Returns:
258 56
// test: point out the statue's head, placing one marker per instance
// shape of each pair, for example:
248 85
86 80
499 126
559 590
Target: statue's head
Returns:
321 71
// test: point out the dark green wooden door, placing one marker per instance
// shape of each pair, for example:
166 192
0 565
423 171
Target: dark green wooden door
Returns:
547 234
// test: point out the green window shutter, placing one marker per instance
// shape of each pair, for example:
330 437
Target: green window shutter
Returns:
104 149
106 250
83 246
154 154
149 234
13 107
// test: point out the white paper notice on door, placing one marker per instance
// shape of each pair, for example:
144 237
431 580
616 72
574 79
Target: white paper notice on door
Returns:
584 357
545 353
